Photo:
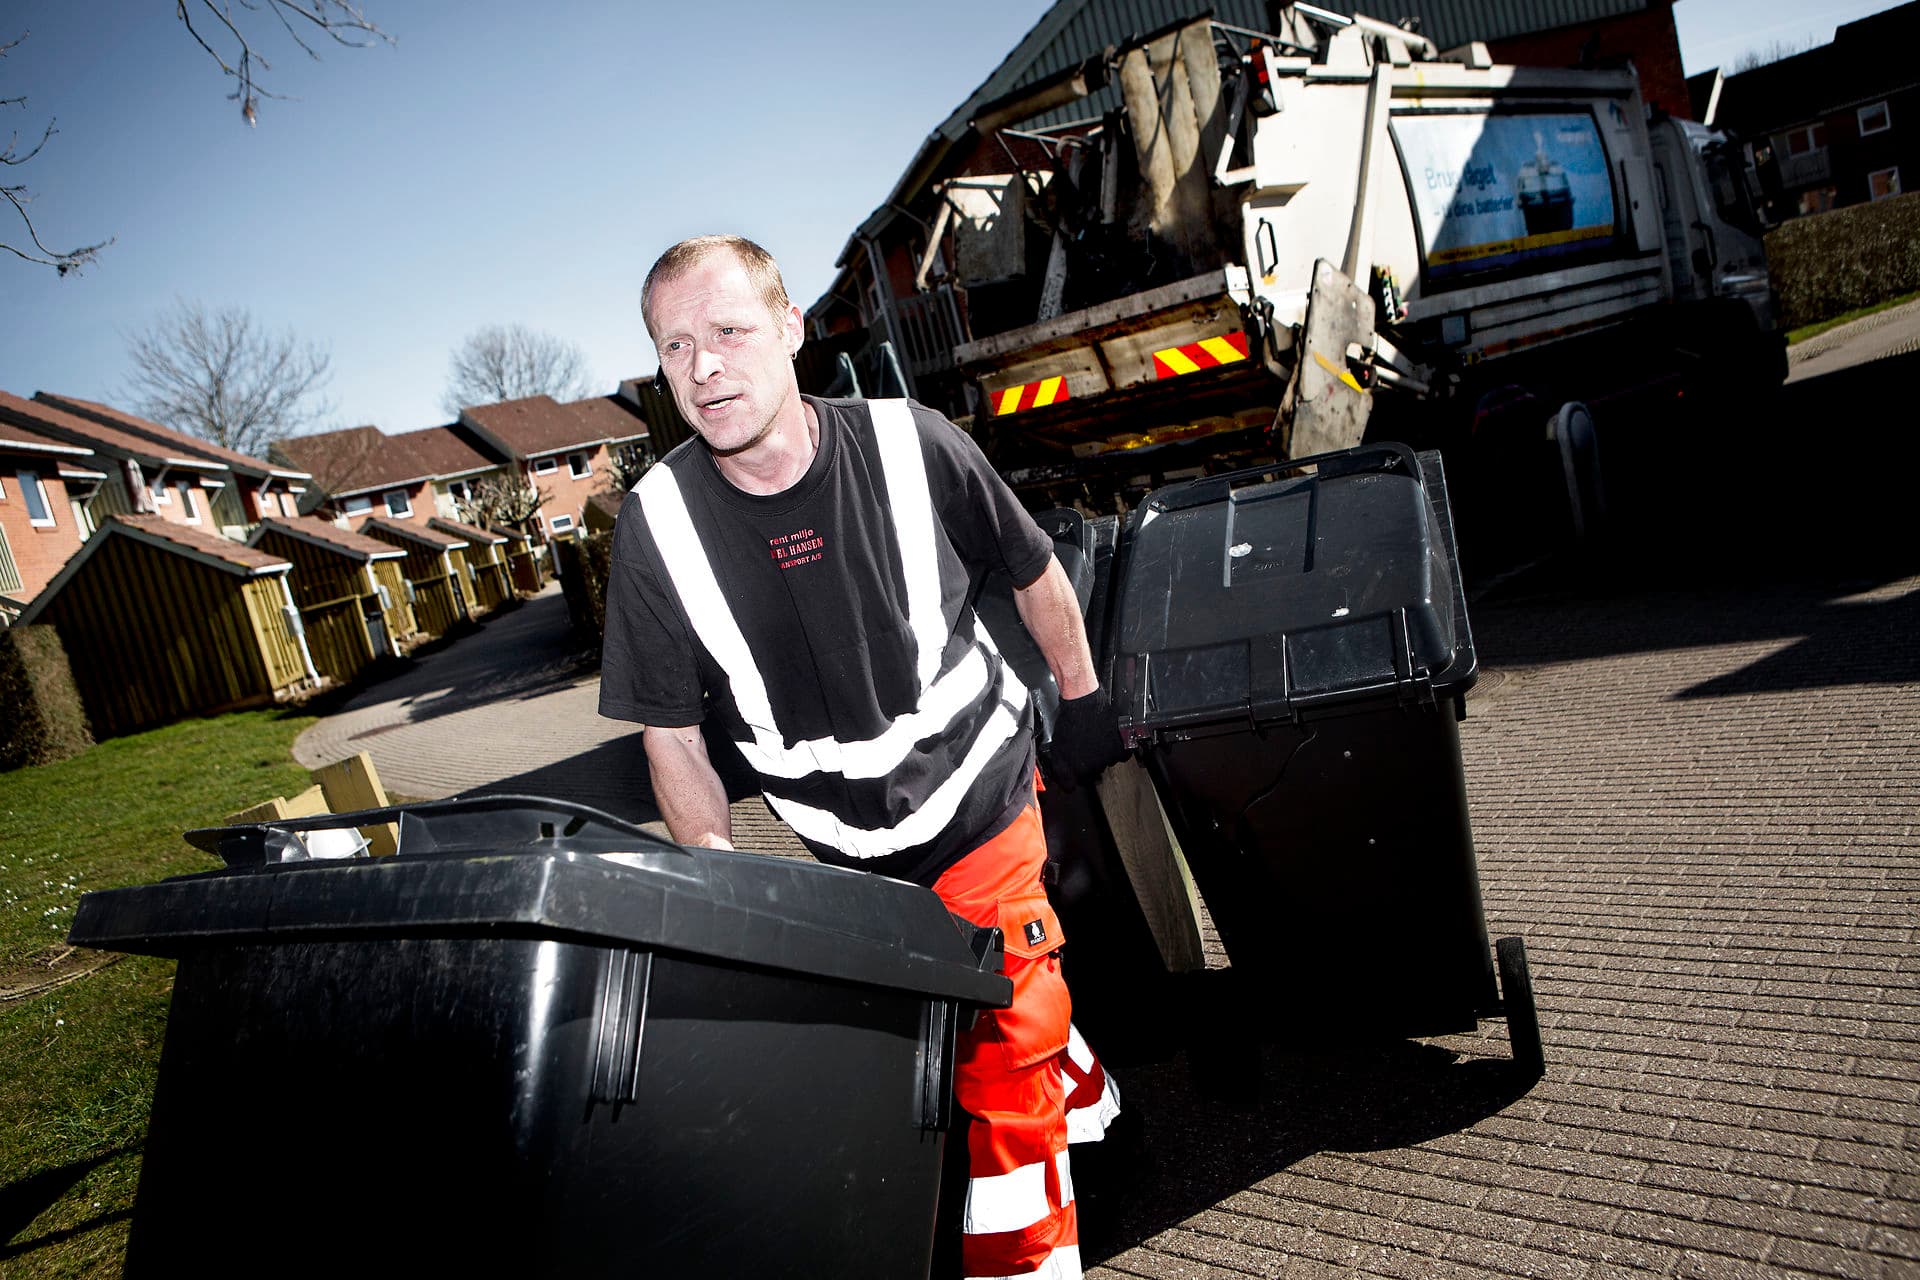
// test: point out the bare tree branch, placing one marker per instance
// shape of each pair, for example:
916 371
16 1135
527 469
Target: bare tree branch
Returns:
220 375
505 500
626 464
508 362
18 196
344 21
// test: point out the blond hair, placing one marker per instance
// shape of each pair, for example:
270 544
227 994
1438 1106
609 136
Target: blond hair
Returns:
762 271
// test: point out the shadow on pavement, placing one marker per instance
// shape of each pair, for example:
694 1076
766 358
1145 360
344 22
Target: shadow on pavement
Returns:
1733 522
614 778
1192 1149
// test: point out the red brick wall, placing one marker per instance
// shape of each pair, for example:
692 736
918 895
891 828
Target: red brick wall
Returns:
38 554
562 495
1646 38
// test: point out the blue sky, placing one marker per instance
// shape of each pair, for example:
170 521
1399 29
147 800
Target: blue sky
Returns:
501 162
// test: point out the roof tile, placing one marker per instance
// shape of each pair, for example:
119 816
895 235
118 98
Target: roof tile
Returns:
346 541
237 554
539 425
121 420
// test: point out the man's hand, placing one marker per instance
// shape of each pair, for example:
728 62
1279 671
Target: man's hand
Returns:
1086 739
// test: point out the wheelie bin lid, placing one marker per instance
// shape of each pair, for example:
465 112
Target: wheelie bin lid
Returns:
530 867
1266 594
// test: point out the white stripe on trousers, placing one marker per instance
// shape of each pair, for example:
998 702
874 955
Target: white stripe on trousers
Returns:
1015 1201
1062 1264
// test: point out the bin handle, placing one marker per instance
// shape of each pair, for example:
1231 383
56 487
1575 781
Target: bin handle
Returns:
1385 455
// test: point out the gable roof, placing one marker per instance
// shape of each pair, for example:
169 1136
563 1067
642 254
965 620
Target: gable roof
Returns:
206 549
359 460
47 420
167 436
538 425
324 533
412 533
15 438
471 532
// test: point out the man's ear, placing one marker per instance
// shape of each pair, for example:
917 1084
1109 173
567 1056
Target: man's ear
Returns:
796 330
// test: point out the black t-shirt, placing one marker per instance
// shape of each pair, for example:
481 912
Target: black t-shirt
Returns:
864 741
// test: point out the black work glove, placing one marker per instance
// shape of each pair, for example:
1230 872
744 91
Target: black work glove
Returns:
1086 739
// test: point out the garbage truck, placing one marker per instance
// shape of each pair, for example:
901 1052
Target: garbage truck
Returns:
1289 242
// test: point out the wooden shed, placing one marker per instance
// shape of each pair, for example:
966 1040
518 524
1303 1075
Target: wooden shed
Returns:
523 561
350 589
163 621
485 582
434 565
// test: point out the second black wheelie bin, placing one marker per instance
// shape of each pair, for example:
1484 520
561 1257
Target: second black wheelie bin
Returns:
1291 652
540 1042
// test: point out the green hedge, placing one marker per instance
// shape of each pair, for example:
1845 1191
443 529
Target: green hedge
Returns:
41 716
1829 263
583 580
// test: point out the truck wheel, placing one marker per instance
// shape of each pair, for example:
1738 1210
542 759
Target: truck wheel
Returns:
1572 430
1516 998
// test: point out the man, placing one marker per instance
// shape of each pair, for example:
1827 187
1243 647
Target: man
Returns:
802 571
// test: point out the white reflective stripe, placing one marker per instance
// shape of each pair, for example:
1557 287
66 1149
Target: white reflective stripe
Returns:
1063 1166
1077 1049
879 756
911 505
932 817
1062 1264
700 596
1089 1123
1007 1201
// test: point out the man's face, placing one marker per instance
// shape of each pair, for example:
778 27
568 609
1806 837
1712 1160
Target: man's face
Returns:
728 358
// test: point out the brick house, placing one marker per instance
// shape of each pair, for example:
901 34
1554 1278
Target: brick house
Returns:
564 450
44 487
1836 125
142 476
411 477
255 490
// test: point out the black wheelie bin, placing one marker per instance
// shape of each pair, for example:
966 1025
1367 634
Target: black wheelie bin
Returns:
1292 655
538 1041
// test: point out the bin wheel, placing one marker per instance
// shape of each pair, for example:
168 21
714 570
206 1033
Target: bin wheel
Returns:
1516 999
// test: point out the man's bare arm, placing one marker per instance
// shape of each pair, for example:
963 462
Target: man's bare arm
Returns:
1052 614
691 796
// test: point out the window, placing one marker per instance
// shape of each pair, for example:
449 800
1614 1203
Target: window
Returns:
560 524
545 466
34 494
1882 183
162 496
1874 119
578 467
186 488
460 491
1818 200
358 503
1807 138
399 506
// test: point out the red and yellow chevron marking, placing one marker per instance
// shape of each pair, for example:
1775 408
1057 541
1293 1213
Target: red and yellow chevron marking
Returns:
1195 356
1030 395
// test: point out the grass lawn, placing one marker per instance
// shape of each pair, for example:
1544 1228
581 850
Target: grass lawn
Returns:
79 1038
1813 330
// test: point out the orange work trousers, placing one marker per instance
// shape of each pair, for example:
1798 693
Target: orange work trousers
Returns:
1023 1074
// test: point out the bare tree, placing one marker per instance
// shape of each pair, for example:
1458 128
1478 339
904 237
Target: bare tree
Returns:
1778 51
505 499
224 35
17 195
220 375
507 362
627 464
